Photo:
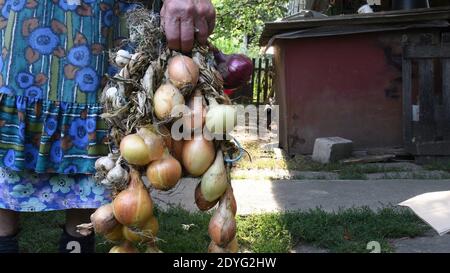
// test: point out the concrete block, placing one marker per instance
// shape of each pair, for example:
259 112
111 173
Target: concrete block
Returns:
332 149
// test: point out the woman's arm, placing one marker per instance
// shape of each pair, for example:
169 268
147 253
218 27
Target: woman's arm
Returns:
185 21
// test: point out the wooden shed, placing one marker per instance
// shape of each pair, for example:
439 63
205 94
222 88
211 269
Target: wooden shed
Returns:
342 75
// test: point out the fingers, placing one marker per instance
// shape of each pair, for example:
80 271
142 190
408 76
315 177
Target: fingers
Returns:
202 29
173 33
187 35
211 20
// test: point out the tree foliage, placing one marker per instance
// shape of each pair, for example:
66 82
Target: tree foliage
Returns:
240 23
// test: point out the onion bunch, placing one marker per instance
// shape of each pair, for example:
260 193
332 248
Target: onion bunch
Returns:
157 88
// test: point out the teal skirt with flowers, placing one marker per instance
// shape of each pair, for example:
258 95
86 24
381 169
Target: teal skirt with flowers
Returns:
54 55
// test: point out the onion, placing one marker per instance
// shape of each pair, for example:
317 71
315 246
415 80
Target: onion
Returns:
165 134
116 235
183 72
166 98
222 227
133 207
231 199
236 69
197 155
154 142
164 173
197 115
125 247
103 220
134 150
177 149
214 182
202 204
146 234
232 247
220 119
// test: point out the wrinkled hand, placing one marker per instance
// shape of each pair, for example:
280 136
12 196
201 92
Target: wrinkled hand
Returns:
185 21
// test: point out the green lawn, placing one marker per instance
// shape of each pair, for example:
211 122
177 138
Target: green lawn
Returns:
344 231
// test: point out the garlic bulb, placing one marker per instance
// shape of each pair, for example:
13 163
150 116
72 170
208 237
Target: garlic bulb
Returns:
105 164
111 93
117 175
123 57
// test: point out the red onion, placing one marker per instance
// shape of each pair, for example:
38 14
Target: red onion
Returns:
236 69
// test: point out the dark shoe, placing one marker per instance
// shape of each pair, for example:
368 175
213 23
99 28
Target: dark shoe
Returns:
9 244
70 244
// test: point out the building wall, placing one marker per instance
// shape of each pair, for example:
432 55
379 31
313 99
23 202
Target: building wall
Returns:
348 86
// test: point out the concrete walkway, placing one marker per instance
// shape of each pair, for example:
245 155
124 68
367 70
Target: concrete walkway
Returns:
257 196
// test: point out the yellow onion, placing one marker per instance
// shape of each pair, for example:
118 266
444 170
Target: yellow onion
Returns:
231 199
133 206
164 173
214 182
166 136
183 72
166 98
197 155
197 106
221 118
177 149
200 201
103 220
125 247
145 234
116 235
154 142
134 150
232 247
222 227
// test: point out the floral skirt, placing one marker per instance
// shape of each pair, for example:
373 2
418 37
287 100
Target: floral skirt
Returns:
26 191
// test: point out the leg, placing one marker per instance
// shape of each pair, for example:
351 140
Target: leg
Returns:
71 240
9 227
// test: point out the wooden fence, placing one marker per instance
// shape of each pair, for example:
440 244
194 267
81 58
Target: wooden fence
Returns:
260 88
426 95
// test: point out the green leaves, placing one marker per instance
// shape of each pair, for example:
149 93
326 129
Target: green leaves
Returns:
242 22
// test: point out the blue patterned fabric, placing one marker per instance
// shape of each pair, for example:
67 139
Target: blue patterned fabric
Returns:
54 54
30 192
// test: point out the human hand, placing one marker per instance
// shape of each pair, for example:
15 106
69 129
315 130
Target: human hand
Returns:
185 21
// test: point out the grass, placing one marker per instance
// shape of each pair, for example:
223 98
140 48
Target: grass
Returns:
343 231
438 166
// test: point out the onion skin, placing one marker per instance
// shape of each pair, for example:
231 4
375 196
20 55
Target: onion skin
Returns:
197 116
116 235
166 98
197 155
133 207
183 72
200 201
229 195
126 247
215 182
165 173
165 134
220 119
177 150
146 234
236 69
103 220
154 142
232 247
222 227
134 150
